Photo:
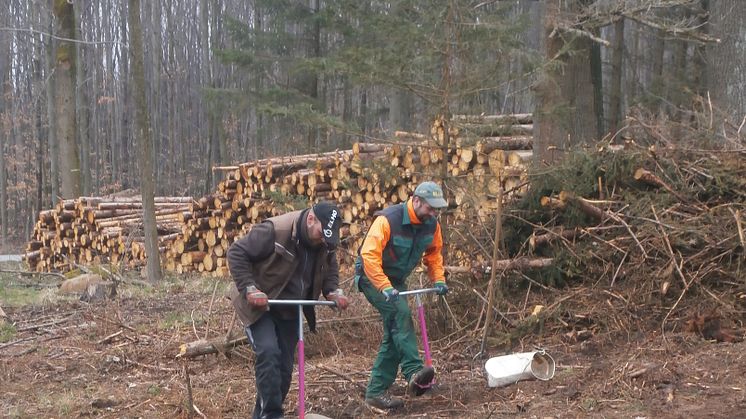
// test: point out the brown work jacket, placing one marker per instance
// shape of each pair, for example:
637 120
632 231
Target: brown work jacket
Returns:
266 258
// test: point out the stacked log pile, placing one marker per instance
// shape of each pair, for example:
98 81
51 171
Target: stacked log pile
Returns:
362 180
99 229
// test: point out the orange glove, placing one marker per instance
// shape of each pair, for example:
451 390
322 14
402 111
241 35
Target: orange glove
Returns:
340 298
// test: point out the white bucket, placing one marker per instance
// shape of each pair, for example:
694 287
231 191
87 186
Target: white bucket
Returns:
509 369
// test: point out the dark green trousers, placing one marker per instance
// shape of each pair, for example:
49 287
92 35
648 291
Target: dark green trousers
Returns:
399 345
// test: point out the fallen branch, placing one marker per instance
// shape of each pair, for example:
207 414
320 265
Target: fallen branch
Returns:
601 215
553 203
651 179
640 371
535 241
109 338
518 264
205 347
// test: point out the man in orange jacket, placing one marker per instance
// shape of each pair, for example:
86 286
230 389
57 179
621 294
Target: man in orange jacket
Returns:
400 237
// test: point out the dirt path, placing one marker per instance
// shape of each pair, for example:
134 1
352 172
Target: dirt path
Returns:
116 359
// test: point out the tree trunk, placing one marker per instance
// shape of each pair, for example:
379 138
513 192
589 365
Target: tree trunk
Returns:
54 148
308 81
596 71
65 99
565 111
4 86
81 105
656 78
727 60
156 52
615 91
399 111
146 145
207 103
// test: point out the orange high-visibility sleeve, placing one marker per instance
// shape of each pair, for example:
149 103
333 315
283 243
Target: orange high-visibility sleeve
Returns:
433 257
372 252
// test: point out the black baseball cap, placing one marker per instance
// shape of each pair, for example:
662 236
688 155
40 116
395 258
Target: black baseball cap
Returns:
330 218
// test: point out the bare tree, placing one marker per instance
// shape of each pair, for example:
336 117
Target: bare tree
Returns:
727 59
65 110
144 136
81 105
4 68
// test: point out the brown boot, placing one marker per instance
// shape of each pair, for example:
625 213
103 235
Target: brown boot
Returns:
421 381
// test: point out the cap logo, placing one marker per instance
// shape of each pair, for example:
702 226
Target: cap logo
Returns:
332 217
328 230
437 193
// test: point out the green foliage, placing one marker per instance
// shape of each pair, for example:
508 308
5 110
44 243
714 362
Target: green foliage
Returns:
154 390
439 51
579 173
7 331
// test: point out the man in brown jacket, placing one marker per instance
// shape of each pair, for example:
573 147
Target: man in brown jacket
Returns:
292 257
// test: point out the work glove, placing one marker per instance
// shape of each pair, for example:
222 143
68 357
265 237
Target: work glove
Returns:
391 294
441 287
256 298
339 298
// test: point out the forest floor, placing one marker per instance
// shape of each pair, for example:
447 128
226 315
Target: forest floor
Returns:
60 357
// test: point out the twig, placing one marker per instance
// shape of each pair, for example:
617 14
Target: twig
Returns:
39 326
629 229
640 371
230 326
109 338
540 285
613 279
194 326
678 270
199 412
7 344
209 309
491 287
338 374
481 297
190 401
737 216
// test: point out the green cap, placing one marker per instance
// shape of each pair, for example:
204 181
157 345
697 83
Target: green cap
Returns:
431 193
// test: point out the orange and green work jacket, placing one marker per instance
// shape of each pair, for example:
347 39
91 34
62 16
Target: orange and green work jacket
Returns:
395 244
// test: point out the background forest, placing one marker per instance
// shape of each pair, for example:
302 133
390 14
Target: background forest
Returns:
229 81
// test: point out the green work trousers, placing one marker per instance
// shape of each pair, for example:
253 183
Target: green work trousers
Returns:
399 345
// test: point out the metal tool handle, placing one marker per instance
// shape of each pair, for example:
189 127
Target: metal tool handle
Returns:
301 303
301 346
419 291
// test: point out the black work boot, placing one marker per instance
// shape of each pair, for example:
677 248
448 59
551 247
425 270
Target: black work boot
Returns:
421 381
384 401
